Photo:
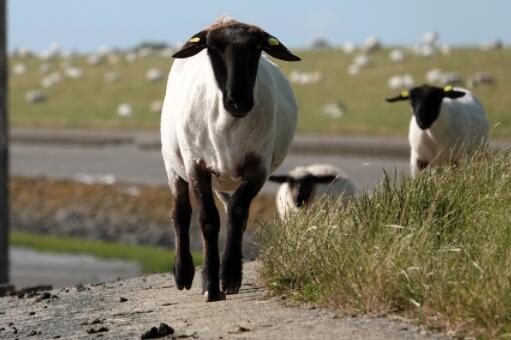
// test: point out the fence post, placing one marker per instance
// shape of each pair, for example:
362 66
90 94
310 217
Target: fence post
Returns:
4 151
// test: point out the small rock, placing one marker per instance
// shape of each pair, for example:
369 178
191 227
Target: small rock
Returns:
99 330
240 329
80 287
57 337
160 332
31 313
33 333
123 299
44 296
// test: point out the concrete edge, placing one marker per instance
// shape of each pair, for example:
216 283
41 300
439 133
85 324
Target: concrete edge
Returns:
306 144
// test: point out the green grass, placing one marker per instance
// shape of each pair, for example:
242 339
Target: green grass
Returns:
151 259
437 249
92 102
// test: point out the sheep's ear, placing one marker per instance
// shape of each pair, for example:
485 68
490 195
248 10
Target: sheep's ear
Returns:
193 46
404 95
276 49
453 94
324 179
279 178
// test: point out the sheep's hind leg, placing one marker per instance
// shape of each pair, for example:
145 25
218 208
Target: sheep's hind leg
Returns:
183 269
237 216
209 221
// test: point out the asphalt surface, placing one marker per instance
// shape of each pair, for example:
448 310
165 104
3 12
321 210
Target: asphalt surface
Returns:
127 309
29 268
130 163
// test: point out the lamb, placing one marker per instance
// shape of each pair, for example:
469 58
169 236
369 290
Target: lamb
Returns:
228 118
447 124
305 184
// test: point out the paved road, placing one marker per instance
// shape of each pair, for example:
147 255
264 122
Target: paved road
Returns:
29 268
154 299
144 166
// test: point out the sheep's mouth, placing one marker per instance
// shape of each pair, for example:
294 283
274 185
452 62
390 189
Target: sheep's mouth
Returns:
238 109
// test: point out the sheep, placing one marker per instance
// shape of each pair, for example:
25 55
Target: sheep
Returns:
19 69
156 106
397 55
305 184
153 75
304 78
125 110
334 110
73 72
35 96
447 124
112 77
399 82
348 47
481 78
228 119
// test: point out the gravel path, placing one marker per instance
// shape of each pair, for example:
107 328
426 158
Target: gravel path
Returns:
128 308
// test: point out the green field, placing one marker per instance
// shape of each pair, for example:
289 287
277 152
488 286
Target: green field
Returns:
150 259
436 249
91 102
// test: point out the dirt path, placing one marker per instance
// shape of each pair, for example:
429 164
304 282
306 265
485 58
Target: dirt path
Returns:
153 299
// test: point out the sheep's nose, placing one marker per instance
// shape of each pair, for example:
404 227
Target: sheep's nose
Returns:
231 102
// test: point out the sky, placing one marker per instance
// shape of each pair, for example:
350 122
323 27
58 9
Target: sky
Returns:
84 25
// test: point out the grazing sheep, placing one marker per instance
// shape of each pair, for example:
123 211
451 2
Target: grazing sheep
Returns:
35 96
334 110
447 124
371 44
95 60
481 78
154 75
51 80
156 106
125 110
305 184
397 55
112 77
492 45
73 72
19 69
399 82
305 78
228 118
348 47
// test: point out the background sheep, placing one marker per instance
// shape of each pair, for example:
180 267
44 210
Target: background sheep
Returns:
447 124
304 184
223 131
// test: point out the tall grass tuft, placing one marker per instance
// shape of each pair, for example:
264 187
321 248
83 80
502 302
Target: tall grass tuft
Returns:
437 248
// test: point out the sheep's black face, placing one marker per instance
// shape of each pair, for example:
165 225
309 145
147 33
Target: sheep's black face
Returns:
234 50
426 102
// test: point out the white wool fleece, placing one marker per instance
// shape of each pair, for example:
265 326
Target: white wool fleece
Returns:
195 125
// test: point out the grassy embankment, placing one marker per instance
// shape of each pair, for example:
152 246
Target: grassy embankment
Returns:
151 259
436 249
91 102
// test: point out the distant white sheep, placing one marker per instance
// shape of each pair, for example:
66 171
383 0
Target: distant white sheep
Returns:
112 77
154 75
51 80
447 124
73 72
304 78
481 78
305 184
35 96
95 59
125 110
19 69
371 44
397 55
400 82
348 47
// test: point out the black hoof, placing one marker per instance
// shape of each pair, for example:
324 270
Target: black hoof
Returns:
230 278
183 271
214 296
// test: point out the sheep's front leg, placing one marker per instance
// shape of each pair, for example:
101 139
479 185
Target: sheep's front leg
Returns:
253 177
184 269
209 221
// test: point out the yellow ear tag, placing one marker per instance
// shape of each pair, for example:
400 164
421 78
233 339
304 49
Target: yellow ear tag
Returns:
273 41
194 39
405 94
448 88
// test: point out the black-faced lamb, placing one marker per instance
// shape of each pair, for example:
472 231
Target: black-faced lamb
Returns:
305 184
